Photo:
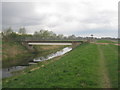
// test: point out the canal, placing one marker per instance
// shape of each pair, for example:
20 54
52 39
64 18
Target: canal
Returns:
8 72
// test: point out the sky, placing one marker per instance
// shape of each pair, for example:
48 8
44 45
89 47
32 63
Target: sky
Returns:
79 17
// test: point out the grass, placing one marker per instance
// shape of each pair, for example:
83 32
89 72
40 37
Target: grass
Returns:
111 63
13 53
80 68
119 66
43 50
106 41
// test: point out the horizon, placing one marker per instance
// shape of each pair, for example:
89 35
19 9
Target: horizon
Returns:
17 32
81 18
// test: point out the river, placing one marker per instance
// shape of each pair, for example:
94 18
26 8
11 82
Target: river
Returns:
7 72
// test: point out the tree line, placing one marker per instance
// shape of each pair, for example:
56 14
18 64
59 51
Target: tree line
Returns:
42 34
9 33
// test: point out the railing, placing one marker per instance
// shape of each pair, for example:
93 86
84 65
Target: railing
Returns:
23 39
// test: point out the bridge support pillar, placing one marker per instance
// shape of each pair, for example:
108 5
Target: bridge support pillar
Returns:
75 44
30 47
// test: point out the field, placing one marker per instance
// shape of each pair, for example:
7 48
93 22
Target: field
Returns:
87 66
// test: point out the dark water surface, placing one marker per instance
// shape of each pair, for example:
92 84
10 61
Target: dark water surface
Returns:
7 72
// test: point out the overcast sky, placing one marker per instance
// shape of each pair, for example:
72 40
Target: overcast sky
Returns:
79 17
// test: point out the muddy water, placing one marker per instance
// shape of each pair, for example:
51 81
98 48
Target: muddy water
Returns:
7 72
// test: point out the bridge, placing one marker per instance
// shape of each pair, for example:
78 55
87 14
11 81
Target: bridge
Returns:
50 42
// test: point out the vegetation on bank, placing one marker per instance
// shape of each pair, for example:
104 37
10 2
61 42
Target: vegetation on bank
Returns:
43 50
14 53
87 66
46 35
118 65
80 68
107 41
38 35
111 62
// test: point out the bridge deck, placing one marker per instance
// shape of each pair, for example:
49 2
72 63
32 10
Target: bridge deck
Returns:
50 43
54 41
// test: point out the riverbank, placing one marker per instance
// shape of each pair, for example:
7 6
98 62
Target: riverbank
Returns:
14 53
87 66
12 71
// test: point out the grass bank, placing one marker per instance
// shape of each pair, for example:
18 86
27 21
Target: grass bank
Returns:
107 41
110 64
87 66
43 50
14 53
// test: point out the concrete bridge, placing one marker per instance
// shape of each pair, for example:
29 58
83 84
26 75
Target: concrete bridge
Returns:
30 44
52 42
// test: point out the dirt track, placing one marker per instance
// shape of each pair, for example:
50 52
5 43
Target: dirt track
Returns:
106 43
105 79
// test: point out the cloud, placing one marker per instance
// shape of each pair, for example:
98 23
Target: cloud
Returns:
63 16
0 16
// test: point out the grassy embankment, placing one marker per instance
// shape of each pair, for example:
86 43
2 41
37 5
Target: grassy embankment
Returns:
0 51
48 49
87 66
107 41
14 53
119 66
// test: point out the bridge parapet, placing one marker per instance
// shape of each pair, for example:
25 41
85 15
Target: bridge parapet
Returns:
40 41
29 44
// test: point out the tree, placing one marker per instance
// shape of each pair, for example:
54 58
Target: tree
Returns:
2 34
60 36
22 30
8 31
52 35
36 34
71 37
46 34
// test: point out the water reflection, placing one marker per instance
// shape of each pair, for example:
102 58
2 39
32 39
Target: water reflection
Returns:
50 56
7 72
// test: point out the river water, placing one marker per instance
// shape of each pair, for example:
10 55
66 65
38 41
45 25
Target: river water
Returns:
7 72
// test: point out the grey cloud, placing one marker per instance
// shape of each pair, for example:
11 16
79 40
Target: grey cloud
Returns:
62 17
19 14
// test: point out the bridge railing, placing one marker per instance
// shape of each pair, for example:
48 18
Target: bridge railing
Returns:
22 39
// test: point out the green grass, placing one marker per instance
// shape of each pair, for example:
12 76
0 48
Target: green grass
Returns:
14 53
106 41
0 42
111 62
119 66
43 50
79 68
